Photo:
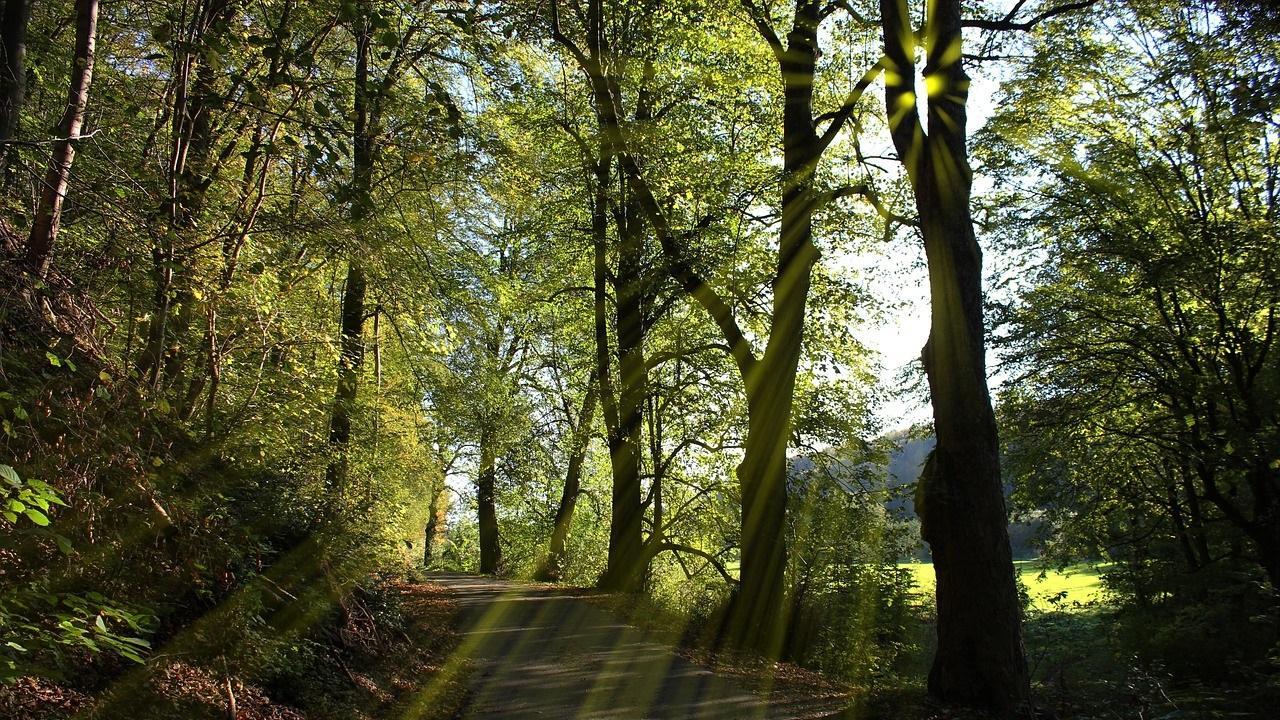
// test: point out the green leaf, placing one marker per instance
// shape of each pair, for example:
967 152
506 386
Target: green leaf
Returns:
10 476
54 360
37 517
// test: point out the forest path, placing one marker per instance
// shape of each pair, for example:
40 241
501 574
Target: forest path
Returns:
536 652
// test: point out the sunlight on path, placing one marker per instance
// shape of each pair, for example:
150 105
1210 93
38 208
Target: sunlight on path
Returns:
543 653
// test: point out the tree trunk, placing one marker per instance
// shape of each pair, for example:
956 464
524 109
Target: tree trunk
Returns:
626 543
352 330
435 519
44 231
553 567
980 660
13 80
490 546
194 100
1264 530
349 363
759 616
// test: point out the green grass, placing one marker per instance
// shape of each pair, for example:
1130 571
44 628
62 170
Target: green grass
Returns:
1079 583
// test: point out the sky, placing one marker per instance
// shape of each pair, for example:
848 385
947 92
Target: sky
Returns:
900 333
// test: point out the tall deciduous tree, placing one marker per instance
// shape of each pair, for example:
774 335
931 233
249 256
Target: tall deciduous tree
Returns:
980 659
1151 328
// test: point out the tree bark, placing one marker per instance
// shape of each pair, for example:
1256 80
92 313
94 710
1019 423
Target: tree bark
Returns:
490 545
353 297
626 542
13 80
553 566
350 361
980 660
44 231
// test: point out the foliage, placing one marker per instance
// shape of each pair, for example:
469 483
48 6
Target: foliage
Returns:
416 221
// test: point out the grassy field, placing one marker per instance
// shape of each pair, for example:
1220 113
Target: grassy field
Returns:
1076 584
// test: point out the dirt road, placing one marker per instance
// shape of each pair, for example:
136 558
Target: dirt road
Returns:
539 653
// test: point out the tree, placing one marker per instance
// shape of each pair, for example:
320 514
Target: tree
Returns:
13 80
980 659
580 437
1148 335
44 230
756 616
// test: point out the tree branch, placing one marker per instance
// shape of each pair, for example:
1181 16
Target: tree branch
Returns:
689 280
679 548
867 193
657 359
841 116
1007 22
764 27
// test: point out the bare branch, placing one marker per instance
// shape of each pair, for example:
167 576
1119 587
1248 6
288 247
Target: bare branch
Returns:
871 196
1007 22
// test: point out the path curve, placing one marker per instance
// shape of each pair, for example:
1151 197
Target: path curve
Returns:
536 652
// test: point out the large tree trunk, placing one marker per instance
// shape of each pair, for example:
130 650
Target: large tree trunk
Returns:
980 660
553 567
759 616
13 80
490 545
626 543
44 231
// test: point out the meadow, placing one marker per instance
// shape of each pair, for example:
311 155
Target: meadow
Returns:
1049 587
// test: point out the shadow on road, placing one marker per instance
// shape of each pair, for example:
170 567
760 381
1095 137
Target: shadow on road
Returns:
537 653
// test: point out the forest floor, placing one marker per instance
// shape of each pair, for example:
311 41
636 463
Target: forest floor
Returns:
540 651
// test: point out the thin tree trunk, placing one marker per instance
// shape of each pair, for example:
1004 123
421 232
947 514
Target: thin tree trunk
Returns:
13 80
353 295
553 567
44 231
980 659
195 100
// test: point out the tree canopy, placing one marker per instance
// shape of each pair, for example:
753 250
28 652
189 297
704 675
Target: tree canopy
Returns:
304 302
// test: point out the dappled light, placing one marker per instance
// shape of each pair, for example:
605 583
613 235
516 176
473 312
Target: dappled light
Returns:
625 359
